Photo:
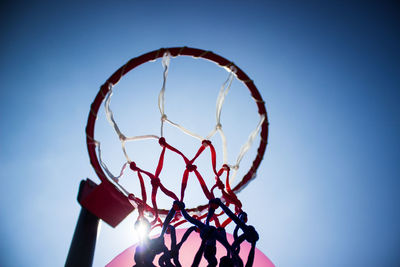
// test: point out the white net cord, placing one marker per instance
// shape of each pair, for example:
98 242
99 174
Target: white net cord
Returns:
223 92
161 97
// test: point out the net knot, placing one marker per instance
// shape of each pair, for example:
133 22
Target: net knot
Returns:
164 117
133 166
162 141
155 182
218 126
206 143
178 205
214 204
191 167
131 196
226 167
251 234
207 233
220 184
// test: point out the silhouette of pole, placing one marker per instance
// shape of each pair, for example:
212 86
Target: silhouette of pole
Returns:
83 243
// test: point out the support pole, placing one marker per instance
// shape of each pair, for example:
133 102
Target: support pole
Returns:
81 251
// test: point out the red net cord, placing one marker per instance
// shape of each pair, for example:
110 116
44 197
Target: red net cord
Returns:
228 195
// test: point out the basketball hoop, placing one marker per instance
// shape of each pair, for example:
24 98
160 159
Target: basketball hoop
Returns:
204 218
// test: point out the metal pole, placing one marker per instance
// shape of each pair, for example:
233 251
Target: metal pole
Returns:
83 243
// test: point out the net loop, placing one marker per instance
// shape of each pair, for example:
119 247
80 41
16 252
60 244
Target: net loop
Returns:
210 236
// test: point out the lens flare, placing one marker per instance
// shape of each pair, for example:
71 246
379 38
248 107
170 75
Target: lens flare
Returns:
142 229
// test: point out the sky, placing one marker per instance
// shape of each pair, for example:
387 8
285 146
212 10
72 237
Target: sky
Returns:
326 193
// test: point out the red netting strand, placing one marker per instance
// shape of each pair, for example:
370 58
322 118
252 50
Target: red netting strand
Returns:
227 194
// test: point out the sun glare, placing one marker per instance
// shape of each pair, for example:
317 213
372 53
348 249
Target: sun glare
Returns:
142 229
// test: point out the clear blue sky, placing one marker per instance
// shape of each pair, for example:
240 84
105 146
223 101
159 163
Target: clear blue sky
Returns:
328 189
